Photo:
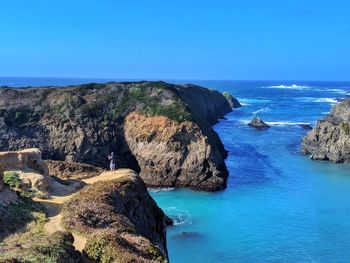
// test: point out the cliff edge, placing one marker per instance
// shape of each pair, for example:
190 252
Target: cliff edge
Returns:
85 123
330 139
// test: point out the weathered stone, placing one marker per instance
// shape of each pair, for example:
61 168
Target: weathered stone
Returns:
330 139
258 124
174 154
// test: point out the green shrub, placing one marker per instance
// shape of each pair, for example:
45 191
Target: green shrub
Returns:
99 250
345 127
227 95
12 179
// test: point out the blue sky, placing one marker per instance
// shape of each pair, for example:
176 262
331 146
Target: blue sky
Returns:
247 40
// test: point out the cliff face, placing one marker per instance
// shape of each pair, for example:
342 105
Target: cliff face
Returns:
121 220
174 154
85 123
330 139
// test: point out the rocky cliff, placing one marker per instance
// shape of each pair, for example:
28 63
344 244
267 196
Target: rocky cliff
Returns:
330 139
121 221
85 123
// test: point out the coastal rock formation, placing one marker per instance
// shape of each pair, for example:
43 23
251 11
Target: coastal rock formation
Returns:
85 123
28 167
172 153
234 103
121 220
23 160
71 170
258 123
330 139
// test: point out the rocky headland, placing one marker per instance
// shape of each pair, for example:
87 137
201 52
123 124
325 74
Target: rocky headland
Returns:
161 130
330 139
105 217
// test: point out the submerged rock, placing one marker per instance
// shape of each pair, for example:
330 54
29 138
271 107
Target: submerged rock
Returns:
330 139
258 123
188 235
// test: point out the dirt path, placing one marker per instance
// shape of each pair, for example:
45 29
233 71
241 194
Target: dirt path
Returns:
62 193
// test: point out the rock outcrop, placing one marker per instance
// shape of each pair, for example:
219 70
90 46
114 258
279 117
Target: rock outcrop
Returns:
85 123
258 124
330 139
121 220
29 167
171 154
234 103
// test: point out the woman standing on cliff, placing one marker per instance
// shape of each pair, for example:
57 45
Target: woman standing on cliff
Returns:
111 159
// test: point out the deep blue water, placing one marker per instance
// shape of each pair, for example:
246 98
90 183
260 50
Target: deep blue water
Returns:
279 205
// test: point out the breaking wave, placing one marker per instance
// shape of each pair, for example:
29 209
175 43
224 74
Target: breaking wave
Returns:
293 86
261 110
179 216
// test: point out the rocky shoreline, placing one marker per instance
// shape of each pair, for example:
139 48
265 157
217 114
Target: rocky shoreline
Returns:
161 130
330 139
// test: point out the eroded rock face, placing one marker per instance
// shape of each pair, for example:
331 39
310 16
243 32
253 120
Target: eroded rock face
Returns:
174 154
85 123
29 166
330 139
121 220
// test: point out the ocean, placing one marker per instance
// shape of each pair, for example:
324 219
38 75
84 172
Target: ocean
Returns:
279 205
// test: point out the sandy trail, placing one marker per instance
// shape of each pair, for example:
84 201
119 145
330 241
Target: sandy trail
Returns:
62 193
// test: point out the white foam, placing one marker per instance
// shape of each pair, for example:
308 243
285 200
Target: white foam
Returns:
335 90
284 123
328 100
293 86
157 190
179 216
317 100
245 101
261 110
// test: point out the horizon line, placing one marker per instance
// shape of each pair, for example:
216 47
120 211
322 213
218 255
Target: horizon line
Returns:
168 79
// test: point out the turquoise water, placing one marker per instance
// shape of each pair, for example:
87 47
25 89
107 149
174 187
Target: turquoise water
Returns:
279 206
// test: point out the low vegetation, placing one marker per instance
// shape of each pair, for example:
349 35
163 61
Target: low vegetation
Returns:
23 238
116 218
12 179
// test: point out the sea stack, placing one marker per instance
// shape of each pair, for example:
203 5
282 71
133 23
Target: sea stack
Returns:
258 124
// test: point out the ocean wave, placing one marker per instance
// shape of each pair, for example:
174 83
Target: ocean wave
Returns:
179 216
285 123
157 190
246 102
328 100
323 100
335 90
261 110
293 86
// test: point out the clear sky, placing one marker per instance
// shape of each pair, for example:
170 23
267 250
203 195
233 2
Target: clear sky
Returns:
179 39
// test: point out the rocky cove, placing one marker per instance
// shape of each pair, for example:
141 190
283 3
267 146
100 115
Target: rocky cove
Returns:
162 131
